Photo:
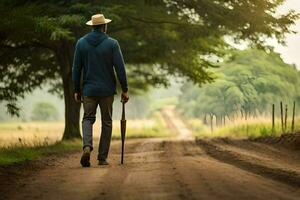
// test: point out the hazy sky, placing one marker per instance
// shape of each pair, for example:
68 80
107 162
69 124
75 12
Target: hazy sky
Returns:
291 52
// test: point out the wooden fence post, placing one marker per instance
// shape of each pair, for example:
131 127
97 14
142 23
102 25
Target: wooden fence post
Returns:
285 118
293 117
273 119
211 122
281 114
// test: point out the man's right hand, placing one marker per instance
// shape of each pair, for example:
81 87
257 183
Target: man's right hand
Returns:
124 97
77 97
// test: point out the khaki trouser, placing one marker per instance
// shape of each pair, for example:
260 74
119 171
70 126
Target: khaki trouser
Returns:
90 105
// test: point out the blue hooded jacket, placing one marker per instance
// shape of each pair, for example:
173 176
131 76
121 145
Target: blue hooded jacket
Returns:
98 56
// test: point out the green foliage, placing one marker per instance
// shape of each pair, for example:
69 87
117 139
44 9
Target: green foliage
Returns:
158 38
18 154
161 103
44 111
247 85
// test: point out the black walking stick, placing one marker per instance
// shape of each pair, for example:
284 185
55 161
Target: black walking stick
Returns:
123 129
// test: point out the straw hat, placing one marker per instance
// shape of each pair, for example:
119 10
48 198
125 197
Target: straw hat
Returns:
98 19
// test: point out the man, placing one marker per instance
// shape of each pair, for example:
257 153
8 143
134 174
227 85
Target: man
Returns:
98 57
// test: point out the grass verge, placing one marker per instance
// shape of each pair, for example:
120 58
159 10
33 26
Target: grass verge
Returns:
26 146
17 154
243 129
158 130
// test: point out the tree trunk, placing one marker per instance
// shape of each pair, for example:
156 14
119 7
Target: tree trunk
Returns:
72 108
205 119
72 111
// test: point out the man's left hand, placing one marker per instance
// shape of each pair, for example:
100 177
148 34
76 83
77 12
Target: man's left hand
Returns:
124 97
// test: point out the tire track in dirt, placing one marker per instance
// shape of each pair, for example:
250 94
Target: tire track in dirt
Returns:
205 177
266 154
285 176
149 175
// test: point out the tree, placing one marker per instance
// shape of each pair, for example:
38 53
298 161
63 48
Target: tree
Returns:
248 84
44 111
177 37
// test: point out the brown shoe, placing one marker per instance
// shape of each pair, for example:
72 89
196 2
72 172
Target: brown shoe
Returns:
103 162
85 158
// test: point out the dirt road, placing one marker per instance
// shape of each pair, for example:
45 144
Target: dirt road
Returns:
170 169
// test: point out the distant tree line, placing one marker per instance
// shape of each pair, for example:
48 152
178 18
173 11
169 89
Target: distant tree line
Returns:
246 86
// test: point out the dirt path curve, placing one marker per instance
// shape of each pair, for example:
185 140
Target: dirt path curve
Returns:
176 124
171 169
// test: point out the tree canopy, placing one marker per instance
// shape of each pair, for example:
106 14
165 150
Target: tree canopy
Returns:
249 84
177 37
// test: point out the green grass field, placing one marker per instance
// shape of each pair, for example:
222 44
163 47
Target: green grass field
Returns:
17 154
20 141
155 127
252 128
30 133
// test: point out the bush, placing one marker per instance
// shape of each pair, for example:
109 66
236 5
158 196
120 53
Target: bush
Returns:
44 111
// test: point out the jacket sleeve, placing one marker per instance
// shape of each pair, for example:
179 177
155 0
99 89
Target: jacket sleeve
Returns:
77 68
119 65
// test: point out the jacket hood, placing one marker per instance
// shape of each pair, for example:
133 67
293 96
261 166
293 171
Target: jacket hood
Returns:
94 38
